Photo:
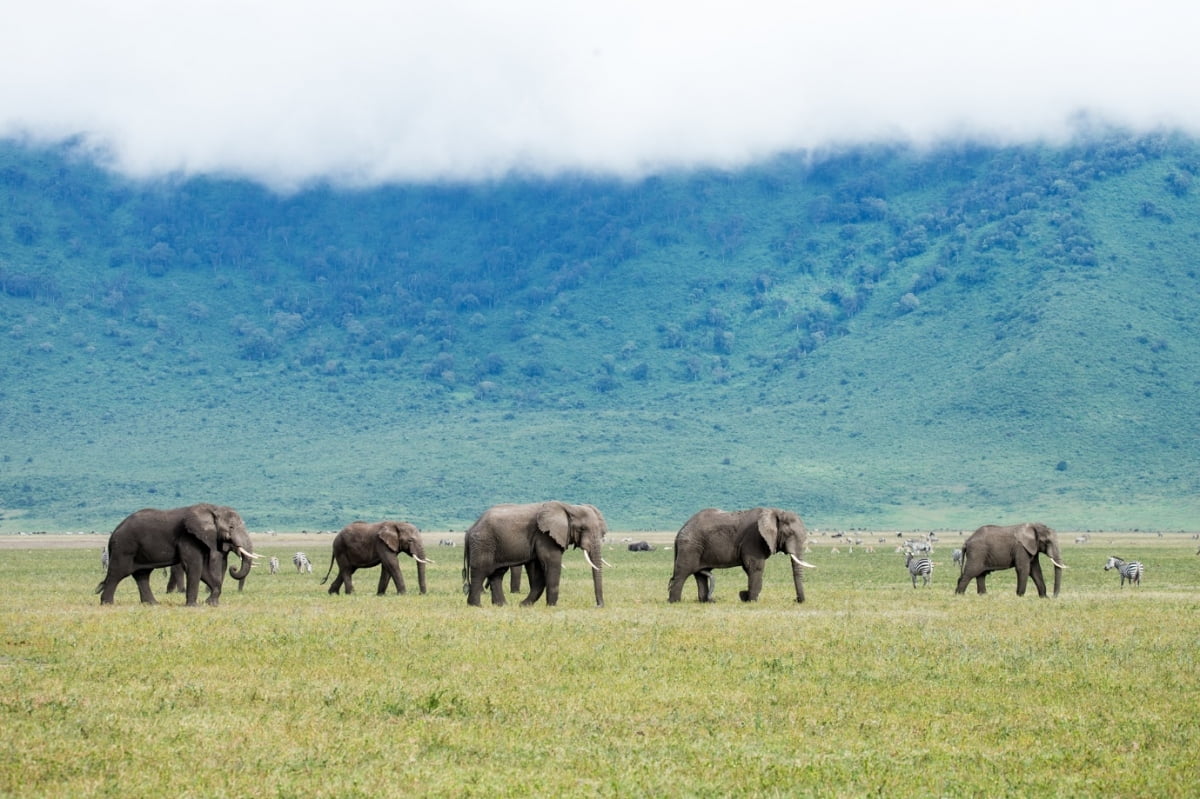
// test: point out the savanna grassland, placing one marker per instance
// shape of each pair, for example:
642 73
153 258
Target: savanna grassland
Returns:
869 688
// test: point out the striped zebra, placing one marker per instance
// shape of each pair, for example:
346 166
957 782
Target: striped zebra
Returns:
302 563
919 567
104 558
273 564
1129 570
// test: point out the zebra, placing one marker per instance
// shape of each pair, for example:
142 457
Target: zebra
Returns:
1131 570
104 558
302 562
445 542
274 564
958 558
919 567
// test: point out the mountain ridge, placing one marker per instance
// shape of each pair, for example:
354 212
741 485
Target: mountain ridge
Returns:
877 337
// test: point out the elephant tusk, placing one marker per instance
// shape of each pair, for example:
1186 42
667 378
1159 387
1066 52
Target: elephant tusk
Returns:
1059 565
589 560
246 554
604 562
421 560
803 563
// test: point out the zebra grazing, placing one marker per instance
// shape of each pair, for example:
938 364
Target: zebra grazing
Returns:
274 564
104 558
302 563
919 567
1131 570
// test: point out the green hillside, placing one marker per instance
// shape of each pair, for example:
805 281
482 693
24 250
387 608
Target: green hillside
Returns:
874 337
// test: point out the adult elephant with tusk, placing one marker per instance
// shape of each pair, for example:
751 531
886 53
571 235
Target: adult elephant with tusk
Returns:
198 537
361 545
534 536
992 548
717 539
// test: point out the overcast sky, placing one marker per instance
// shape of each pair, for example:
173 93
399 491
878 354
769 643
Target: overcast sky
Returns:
286 91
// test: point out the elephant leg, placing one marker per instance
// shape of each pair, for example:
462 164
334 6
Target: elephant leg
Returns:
214 577
705 586
553 571
755 575
397 577
496 583
475 590
347 580
192 589
675 587
964 579
336 585
142 578
537 582
1035 571
514 579
980 588
384 579
1022 580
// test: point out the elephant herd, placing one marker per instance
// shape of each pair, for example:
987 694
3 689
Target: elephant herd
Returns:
198 540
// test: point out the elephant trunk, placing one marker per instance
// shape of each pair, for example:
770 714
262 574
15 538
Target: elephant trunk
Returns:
243 572
597 574
419 557
1056 559
798 578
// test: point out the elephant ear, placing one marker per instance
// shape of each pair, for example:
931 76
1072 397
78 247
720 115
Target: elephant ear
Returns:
1027 538
389 534
768 528
552 520
201 522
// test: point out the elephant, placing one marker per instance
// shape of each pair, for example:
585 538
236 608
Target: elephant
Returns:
717 539
199 537
361 545
993 547
533 536
640 546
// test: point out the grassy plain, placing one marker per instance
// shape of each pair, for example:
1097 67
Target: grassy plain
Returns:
869 688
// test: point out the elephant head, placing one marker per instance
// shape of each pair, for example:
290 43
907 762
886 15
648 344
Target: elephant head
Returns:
1036 538
404 537
581 526
783 532
221 530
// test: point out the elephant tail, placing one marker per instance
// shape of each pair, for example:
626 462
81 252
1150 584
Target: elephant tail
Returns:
328 571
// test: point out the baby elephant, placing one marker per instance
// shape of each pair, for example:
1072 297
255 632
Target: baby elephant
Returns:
362 545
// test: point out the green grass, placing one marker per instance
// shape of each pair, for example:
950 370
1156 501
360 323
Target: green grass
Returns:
871 687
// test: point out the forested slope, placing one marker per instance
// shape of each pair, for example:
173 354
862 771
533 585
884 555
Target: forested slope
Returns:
874 337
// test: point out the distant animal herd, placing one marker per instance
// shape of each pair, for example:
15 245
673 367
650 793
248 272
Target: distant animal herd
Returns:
195 542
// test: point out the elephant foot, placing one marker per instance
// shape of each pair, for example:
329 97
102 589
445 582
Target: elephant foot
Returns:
745 596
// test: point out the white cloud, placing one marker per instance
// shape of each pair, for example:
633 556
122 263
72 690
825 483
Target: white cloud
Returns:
369 90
